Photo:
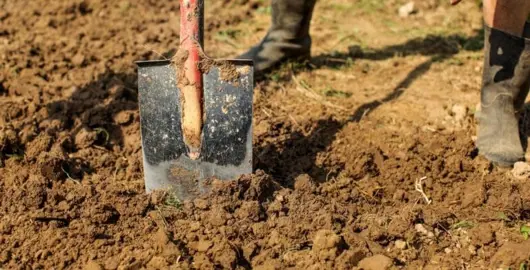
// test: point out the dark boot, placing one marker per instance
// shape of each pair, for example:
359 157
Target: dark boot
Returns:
504 89
288 36
520 99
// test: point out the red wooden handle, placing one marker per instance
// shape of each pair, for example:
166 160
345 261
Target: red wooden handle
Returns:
191 12
190 26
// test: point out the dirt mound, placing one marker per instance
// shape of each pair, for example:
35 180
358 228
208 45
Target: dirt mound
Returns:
367 210
333 188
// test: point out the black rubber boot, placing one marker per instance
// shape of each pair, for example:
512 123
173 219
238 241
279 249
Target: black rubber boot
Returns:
287 38
504 88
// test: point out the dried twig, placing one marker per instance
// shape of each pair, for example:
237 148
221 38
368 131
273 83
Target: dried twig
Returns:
164 222
68 176
418 185
266 113
294 120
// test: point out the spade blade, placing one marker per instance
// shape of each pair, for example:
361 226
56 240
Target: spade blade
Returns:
226 149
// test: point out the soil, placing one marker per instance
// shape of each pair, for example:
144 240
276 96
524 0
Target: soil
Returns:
378 171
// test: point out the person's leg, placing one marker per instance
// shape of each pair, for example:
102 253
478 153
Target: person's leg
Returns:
287 38
507 15
506 79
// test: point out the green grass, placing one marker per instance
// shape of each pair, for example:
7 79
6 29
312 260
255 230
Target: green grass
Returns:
331 92
172 199
464 224
525 231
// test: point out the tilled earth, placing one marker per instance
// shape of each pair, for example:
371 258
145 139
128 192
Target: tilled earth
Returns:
364 156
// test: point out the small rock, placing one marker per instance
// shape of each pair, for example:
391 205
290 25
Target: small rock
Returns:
123 118
447 250
377 262
407 9
400 244
459 112
430 234
521 170
419 228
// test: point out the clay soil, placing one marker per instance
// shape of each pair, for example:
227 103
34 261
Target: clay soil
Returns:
343 144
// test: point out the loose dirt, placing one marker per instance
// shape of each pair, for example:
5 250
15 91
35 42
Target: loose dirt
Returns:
333 188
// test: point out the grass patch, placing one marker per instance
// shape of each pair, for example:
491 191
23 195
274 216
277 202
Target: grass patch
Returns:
525 231
331 92
171 199
464 224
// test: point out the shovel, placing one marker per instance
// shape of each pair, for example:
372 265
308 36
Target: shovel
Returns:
195 114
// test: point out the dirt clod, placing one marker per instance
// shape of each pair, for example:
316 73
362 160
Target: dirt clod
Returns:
85 138
376 262
123 118
400 244
92 265
326 245
521 170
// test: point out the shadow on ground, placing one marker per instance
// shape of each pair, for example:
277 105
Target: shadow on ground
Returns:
298 154
96 105
94 109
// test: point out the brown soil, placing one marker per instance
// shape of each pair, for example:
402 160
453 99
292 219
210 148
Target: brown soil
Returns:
383 109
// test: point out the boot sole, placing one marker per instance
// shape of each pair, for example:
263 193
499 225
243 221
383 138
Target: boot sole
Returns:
501 162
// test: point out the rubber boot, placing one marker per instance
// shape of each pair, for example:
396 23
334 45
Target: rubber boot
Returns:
287 38
504 88
520 99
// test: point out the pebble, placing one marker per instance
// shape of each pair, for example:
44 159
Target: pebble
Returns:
419 228
459 112
521 170
407 9
400 244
